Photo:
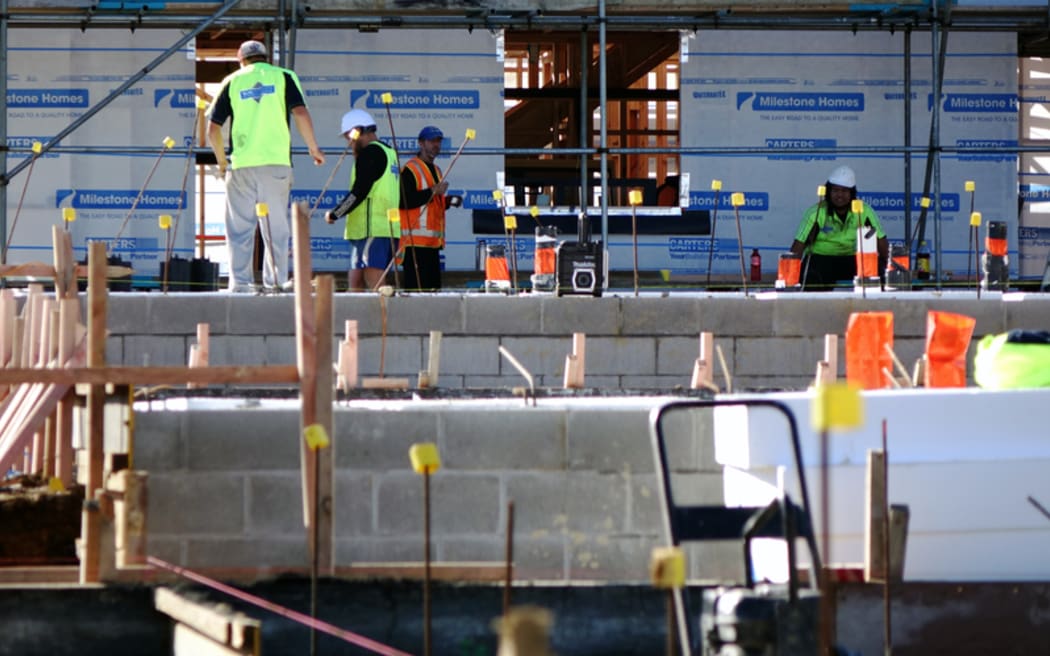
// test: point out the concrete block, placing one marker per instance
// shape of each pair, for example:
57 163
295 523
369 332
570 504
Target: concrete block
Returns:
282 349
190 504
525 438
507 381
1029 313
660 316
421 313
480 549
114 350
249 350
610 558
539 355
274 505
495 314
541 556
364 307
402 356
735 316
260 315
606 382
169 550
155 351
460 504
764 355
645 514
361 550
474 356
126 313
675 355
580 502
668 384
287 551
567 315
378 440
353 505
616 355
177 314
160 440
263 438
615 441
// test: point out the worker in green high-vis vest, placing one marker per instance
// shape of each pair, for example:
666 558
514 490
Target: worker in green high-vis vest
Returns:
257 100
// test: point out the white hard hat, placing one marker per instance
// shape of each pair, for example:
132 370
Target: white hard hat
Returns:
843 176
356 118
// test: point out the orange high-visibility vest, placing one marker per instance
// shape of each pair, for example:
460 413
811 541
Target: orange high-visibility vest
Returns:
428 232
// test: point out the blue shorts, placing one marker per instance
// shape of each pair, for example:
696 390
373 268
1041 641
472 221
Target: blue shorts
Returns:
372 253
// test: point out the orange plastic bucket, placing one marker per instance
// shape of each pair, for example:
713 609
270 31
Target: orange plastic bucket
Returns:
947 340
867 336
789 269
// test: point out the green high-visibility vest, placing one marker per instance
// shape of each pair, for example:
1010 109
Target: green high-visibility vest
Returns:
1013 360
259 128
369 218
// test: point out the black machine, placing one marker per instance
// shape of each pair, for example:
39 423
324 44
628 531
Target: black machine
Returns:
753 619
580 265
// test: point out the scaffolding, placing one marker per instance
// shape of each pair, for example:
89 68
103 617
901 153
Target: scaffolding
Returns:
285 18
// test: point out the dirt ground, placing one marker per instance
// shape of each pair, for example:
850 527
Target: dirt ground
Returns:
38 526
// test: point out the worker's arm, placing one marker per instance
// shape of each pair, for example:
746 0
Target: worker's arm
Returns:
368 168
217 147
305 125
798 248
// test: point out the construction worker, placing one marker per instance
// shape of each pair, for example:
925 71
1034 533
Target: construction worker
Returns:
257 100
828 234
374 191
423 217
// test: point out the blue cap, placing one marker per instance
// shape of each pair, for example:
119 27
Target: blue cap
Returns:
431 132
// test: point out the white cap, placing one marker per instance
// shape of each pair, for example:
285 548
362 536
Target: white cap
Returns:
251 49
843 176
356 118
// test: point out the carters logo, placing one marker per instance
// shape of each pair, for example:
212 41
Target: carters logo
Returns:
309 197
175 98
754 201
333 246
764 101
420 99
27 143
978 102
411 144
257 92
801 144
977 144
680 248
119 199
47 98
127 243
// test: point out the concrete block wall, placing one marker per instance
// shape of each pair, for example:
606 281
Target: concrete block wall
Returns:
646 342
224 486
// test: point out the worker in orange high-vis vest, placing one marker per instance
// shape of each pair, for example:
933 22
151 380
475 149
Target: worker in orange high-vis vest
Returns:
423 205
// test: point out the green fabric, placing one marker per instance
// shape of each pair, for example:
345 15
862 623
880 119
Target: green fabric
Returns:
369 218
260 133
1001 364
834 236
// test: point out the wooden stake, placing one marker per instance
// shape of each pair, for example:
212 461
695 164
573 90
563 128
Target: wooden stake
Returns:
703 370
325 496
96 357
575 364
429 376
828 368
347 367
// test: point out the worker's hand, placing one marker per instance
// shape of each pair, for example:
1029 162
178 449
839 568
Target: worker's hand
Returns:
317 155
440 188
329 218
453 201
